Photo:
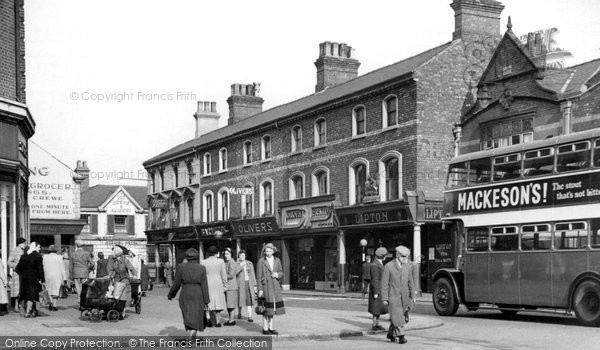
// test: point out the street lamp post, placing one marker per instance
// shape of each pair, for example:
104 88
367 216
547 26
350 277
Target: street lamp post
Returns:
218 235
363 244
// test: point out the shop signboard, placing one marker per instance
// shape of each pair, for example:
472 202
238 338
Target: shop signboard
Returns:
120 205
313 215
368 217
255 226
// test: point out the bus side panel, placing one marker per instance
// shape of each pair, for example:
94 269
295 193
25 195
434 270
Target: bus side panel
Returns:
594 261
504 278
476 277
566 265
535 278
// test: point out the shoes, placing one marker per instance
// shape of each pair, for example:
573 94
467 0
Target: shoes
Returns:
229 323
218 325
391 337
250 320
52 308
274 332
378 327
266 332
402 340
209 324
239 316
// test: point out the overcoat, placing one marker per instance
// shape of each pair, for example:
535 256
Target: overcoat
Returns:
232 268
241 280
81 264
397 288
270 286
376 306
54 272
145 277
191 278
217 282
31 270
3 285
13 260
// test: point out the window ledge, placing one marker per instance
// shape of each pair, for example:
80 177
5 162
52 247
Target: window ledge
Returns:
206 175
296 153
393 127
223 171
266 160
319 147
357 137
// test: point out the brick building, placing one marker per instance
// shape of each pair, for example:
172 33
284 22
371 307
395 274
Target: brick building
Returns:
16 128
363 159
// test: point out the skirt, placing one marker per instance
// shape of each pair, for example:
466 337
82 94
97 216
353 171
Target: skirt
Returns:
245 295
232 299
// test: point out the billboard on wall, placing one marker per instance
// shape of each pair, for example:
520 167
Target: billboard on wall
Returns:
51 186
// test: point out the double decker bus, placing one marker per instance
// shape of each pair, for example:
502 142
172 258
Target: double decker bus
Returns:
526 222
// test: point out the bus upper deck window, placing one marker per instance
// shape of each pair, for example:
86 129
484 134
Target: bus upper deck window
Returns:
507 167
458 175
573 156
597 153
538 162
480 171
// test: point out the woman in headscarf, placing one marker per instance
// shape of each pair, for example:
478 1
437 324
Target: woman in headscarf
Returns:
54 272
15 285
31 270
119 270
232 269
247 284
269 276
191 278
3 291
217 283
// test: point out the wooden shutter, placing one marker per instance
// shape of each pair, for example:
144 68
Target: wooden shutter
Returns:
111 224
94 225
131 224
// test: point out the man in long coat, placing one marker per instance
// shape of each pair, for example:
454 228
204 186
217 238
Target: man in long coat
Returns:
376 306
81 265
397 290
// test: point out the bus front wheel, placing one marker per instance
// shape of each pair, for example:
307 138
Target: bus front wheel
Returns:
445 300
586 303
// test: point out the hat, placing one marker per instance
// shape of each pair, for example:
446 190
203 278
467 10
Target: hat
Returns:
191 254
402 250
381 252
117 250
21 240
212 250
52 248
79 243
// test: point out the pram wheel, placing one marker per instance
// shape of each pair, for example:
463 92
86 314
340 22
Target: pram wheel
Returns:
95 316
85 313
112 316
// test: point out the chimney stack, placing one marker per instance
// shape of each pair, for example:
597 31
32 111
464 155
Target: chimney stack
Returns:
336 64
207 118
244 102
476 17
84 172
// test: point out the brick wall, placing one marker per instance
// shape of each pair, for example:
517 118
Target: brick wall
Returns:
12 42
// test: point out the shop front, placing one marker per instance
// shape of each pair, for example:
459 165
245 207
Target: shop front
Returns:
310 233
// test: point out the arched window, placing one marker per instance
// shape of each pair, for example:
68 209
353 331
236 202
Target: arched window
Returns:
207 160
320 182
357 174
266 198
190 208
390 111
175 214
153 178
248 202
320 132
223 159
207 205
359 118
296 186
266 147
176 176
296 138
223 204
390 176
247 152
162 180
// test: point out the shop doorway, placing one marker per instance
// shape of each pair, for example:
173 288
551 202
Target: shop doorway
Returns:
302 264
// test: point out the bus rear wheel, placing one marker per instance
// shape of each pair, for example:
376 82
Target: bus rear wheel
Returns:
586 303
445 300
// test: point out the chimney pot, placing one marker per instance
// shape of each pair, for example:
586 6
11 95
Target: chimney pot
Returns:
206 106
336 65
213 107
243 102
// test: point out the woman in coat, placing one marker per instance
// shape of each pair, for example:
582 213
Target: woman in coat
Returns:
376 307
54 272
15 285
269 276
217 283
191 278
397 289
3 291
246 281
145 277
31 270
232 269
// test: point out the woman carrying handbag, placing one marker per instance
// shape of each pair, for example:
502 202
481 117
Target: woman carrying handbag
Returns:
269 275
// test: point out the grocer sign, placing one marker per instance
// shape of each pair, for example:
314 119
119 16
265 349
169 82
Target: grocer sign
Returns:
563 190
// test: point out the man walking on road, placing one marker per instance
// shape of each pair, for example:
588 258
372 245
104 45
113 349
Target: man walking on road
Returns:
366 275
397 290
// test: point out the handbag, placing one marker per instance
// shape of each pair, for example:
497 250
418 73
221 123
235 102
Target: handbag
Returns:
260 308
44 297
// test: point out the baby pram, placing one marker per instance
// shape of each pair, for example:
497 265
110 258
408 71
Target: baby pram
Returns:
96 305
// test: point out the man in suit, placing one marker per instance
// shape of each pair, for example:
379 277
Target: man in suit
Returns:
397 290
366 275
376 306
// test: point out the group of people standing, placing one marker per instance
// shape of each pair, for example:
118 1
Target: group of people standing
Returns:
391 290
214 284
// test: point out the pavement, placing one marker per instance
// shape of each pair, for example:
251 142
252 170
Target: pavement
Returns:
160 317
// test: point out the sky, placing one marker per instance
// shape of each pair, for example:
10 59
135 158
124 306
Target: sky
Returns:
117 82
